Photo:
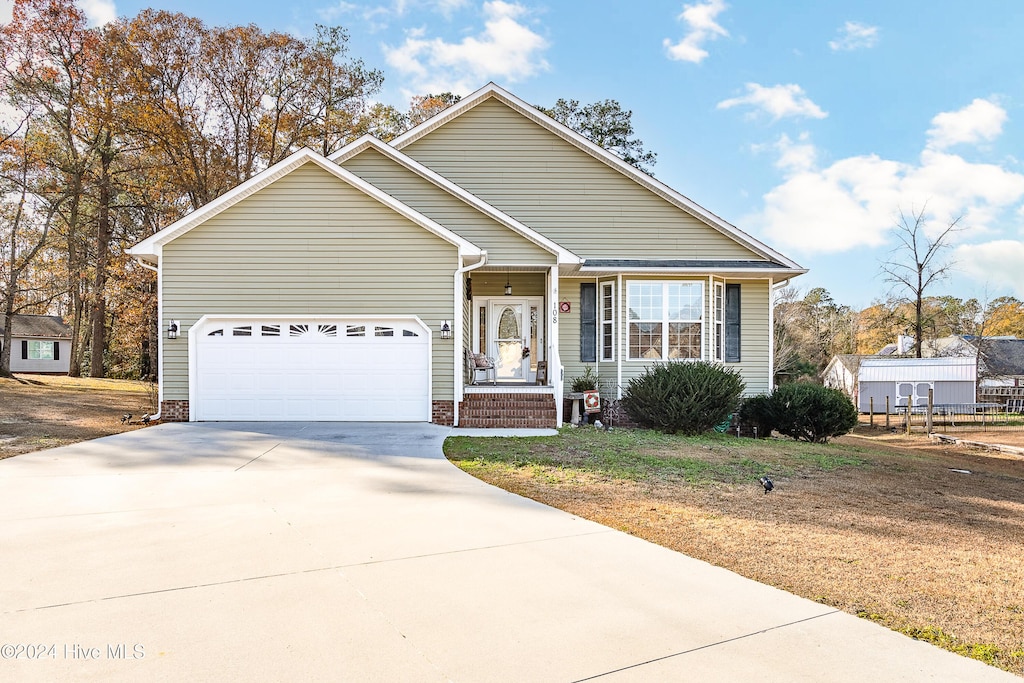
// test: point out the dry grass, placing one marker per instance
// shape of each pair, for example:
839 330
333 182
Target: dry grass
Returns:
46 411
877 525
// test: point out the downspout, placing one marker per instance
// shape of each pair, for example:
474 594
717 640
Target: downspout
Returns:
460 331
160 339
619 333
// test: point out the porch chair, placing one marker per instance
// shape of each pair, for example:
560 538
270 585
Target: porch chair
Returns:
477 363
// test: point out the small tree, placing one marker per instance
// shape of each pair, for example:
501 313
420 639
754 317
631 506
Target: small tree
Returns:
916 263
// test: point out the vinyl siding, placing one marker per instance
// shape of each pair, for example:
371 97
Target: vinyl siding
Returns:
569 330
309 244
502 244
562 192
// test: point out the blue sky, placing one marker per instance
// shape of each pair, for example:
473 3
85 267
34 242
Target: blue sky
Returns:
808 123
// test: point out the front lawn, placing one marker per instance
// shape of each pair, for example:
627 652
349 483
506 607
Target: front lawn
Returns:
881 527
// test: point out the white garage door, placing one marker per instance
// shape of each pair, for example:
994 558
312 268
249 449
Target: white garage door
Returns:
322 369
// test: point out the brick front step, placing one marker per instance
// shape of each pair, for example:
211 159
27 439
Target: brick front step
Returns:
535 411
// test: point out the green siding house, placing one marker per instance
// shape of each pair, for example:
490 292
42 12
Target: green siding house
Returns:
463 274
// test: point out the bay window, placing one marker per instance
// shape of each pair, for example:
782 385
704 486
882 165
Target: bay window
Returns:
665 320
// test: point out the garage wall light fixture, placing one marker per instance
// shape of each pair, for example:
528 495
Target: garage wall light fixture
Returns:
446 329
172 329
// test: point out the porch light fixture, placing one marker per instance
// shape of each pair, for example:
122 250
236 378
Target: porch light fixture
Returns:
508 283
172 329
446 329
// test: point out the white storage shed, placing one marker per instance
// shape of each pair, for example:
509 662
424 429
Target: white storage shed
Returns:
907 381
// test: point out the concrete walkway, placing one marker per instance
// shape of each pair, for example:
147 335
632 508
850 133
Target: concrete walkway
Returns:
330 552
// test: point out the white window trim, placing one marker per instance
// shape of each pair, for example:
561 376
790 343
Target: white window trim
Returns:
607 353
718 307
35 347
664 321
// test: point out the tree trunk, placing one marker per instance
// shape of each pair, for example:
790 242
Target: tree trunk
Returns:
98 310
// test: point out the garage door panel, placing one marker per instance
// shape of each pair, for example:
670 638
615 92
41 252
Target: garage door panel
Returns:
312 371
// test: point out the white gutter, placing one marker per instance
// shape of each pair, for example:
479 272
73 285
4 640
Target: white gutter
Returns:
159 337
620 333
460 332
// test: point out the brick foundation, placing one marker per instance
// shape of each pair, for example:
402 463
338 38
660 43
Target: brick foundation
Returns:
174 411
508 410
443 413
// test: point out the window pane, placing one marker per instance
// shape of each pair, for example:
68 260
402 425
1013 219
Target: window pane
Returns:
684 340
645 301
645 340
40 350
684 301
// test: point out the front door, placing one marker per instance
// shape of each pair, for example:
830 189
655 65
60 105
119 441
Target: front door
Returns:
510 331
509 335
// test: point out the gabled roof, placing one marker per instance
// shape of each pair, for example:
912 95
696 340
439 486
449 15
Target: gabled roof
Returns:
44 326
664 191
370 142
151 247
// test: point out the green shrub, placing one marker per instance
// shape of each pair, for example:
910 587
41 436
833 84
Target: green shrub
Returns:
687 397
758 412
585 382
811 412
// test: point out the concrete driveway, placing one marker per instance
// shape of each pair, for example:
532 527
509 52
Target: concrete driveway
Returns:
335 552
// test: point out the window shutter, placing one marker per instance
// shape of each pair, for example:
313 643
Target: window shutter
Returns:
24 349
56 350
732 323
588 322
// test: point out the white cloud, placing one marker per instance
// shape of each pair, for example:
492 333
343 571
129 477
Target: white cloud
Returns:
855 36
980 120
507 49
853 202
99 12
779 101
6 11
995 263
795 156
700 18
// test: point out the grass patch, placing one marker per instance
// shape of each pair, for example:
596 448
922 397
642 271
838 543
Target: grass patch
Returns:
653 458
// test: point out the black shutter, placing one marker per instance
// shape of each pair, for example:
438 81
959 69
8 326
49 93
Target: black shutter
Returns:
732 323
56 350
588 322
24 349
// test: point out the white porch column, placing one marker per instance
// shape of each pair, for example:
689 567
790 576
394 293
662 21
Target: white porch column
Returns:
557 372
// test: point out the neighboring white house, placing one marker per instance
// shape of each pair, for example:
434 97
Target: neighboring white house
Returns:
841 373
39 344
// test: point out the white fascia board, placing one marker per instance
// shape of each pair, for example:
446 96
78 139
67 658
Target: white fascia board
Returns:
151 246
574 138
564 256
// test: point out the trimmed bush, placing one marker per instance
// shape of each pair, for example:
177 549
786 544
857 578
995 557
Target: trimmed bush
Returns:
687 397
811 412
